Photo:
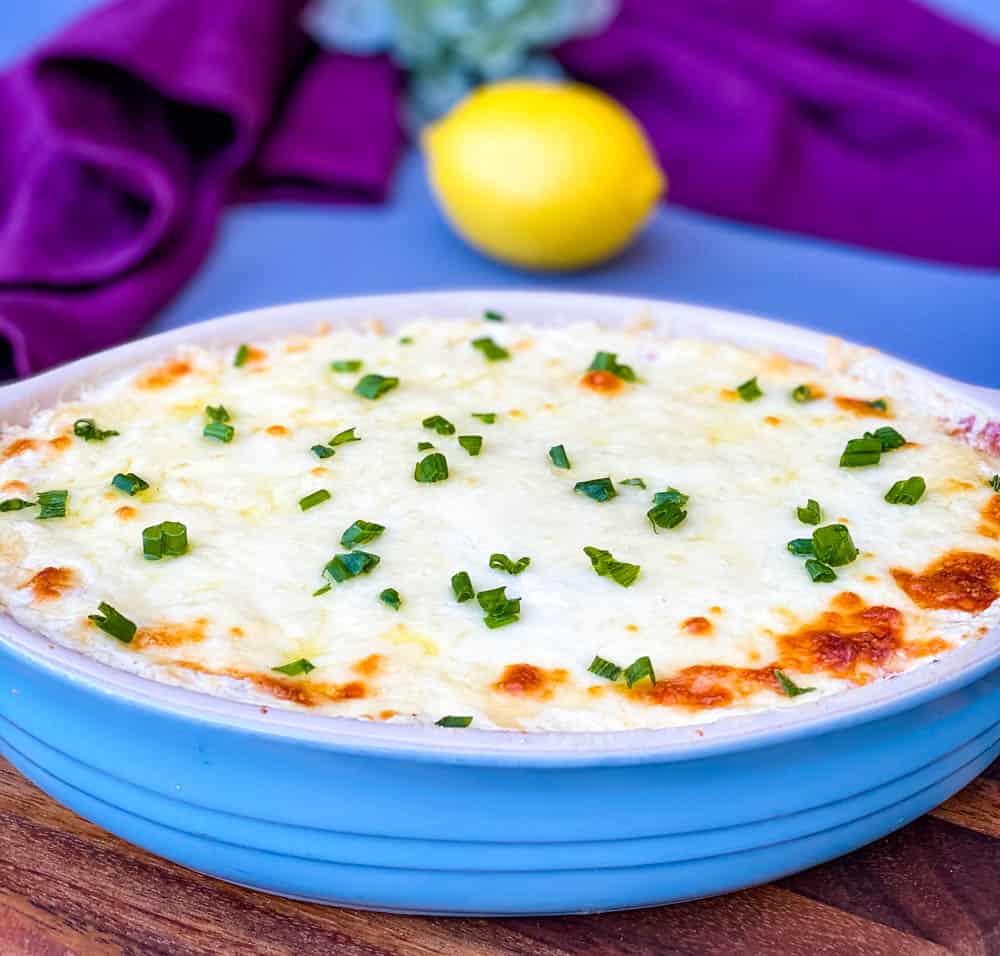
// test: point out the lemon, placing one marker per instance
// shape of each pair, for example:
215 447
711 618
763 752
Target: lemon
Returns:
543 175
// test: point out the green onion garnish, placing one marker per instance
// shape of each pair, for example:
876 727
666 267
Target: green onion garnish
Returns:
861 452
473 444
375 386
168 539
406 340
491 351
606 669
559 457
492 316
217 413
879 404
113 623
488 418
86 429
801 546
361 532
314 498
887 437
322 590
130 483
52 504
749 390
441 425
606 566
994 483
599 489
789 686
390 597
608 362
811 513
906 492
453 721
803 394
321 451
241 356
637 670
350 565
342 438
832 545
219 430
346 365
633 482
16 504
668 509
819 571
461 585
500 609
424 445
500 562
294 668
432 468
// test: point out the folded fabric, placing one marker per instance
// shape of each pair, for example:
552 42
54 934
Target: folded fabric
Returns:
121 141
874 122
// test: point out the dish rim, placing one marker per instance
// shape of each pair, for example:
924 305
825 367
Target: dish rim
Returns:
729 734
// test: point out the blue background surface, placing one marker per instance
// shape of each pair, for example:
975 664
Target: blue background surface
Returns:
945 318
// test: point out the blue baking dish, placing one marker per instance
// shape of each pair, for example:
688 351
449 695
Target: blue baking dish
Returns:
434 820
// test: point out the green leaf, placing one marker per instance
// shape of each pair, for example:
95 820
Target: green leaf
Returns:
811 513
473 444
343 567
344 437
606 669
488 418
86 429
441 425
461 584
452 721
860 452
346 365
374 386
16 504
321 451
112 622
295 668
598 489
432 468
634 483
801 546
424 446
907 491
994 483
500 562
491 351
314 498
219 431
832 545
608 362
668 509
217 413
789 686
887 437
803 394
360 532
749 390
52 504
820 572
241 356
638 670
130 483
606 566
492 316
168 539
391 598
500 609
559 457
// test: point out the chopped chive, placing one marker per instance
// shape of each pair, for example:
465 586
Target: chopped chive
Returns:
424 445
241 356
294 668
879 404
819 571
52 504
342 438
907 491
322 590
860 452
432 468
789 686
500 562
321 451
345 566
112 622
803 394
801 546
314 498
749 390
87 429
994 483
598 489
219 430
500 609
559 457
391 598
606 669
168 539
668 509
461 585
16 504
491 351
441 425
346 365
492 316
130 483
473 444
887 437
811 513
374 386
634 483
406 340
638 669
608 362
606 566
452 721
360 532
832 545
487 418
217 413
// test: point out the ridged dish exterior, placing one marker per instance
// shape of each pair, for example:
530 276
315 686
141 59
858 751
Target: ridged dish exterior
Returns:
350 820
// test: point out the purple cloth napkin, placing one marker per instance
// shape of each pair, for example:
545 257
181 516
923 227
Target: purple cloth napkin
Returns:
874 122
122 139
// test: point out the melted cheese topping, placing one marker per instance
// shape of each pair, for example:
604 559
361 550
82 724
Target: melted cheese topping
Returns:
719 603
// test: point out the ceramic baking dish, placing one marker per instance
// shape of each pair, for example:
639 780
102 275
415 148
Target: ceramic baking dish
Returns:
473 821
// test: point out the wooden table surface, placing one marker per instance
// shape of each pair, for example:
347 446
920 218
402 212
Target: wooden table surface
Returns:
67 887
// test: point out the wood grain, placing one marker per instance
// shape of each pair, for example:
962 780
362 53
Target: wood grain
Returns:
69 889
